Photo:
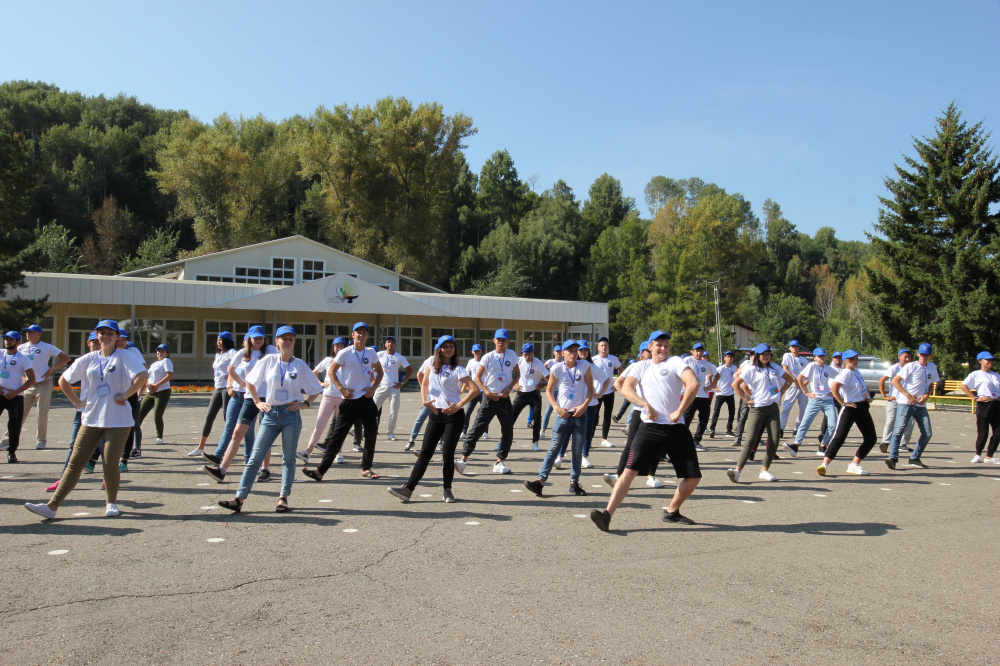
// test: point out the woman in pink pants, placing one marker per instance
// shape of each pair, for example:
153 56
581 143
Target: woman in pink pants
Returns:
328 405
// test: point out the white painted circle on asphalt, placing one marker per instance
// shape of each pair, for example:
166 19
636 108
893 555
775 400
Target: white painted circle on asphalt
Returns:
730 460
58 552
579 515
326 501
885 488
350 530
516 491
206 508
749 502
596 485
472 522
818 495
204 484
215 540
944 484
796 472
426 495
81 513
6 477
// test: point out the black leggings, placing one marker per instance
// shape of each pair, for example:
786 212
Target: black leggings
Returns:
860 415
135 434
608 403
349 411
15 415
220 400
504 412
987 416
633 427
529 399
702 406
721 400
439 426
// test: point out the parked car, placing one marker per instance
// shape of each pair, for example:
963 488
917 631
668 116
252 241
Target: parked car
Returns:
872 368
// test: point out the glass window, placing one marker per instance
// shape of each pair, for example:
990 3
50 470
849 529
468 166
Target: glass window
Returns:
313 270
79 329
147 334
544 341
411 341
464 339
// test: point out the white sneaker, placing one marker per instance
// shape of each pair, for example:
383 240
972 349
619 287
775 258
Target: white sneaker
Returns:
558 462
767 476
500 468
586 464
42 510
486 435
821 453
459 465
358 449
339 459
542 435
734 475
653 482
610 479
855 468
159 440
535 447
40 445
112 511
607 444
976 458
821 470
4 446
624 430
391 437
995 461
194 453
302 455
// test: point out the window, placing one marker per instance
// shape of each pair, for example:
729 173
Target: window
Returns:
411 341
282 271
313 270
544 341
147 334
79 329
464 339
384 286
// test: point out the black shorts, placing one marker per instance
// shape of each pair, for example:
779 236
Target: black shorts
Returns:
653 439
248 411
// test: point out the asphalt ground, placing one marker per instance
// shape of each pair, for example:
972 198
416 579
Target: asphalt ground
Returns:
896 567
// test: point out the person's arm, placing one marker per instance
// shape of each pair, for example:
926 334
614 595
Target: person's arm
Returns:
789 380
13 393
898 384
515 375
425 399
967 391
550 394
409 373
137 383
332 374
379 374
628 390
835 390
261 405
62 359
738 385
166 378
691 385
235 378
479 381
70 392
881 388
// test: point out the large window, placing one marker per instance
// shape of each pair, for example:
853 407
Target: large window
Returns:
411 341
79 329
544 341
464 339
147 334
281 273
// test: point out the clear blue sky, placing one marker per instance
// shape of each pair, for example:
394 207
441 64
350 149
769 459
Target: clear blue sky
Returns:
806 103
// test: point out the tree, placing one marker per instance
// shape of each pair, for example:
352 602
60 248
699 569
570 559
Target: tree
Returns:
785 318
112 236
935 277
502 195
161 248
58 247
659 190
605 207
826 289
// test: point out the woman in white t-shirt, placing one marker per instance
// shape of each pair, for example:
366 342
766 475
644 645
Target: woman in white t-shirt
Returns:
225 350
849 389
109 377
161 371
442 393
986 384
289 386
765 383
330 402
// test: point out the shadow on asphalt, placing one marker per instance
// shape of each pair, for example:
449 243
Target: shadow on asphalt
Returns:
819 528
62 527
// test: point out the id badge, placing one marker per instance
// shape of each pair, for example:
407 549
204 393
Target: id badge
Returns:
774 390
433 393
4 374
103 389
500 378
531 382
571 396
281 395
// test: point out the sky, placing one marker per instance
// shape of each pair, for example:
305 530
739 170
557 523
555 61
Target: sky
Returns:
808 104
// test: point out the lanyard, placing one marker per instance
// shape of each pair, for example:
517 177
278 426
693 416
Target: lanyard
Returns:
572 378
284 369
103 365
360 359
5 357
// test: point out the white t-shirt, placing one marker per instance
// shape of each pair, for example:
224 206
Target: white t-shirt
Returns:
703 370
102 378
661 387
470 367
531 374
765 383
795 365
136 354
38 356
283 383
323 368
818 379
571 384
220 366
891 372
158 370
985 384
599 374
917 379
852 386
609 365
357 369
724 386
551 362
499 370
391 365
445 388
12 369
242 368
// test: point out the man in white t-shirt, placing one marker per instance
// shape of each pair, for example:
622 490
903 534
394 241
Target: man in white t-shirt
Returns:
16 376
793 365
38 354
533 377
707 375
549 364
496 375
662 379
914 383
392 364
892 402
471 367
724 394
814 382
610 364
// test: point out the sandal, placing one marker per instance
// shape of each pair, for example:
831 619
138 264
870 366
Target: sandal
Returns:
282 505
369 474
233 505
312 474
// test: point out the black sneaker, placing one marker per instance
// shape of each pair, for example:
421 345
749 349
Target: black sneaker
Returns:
676 517
212 458
449 497
730 433
616 418
312 474
136 453
265 475
576 489
890 463
711 434
884 448
601 518
11 458
753 454
534 486
917 462
214 472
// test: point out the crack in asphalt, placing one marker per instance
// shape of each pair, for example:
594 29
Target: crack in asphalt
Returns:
14 612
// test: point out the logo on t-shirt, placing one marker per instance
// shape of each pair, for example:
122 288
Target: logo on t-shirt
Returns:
365 360
531 372
507 363
446 374
664 372
13 361
293 374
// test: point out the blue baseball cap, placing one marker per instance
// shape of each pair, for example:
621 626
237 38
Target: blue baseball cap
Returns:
256 331
226 335
340 340
35 328
477 347
108 323
685 355
793 343
443 339
761 348
284 330
728 352
583 344
13 334
501 334
164 348
819 351
849 353
656 335
570 343
527 347
358 325
904 350
92 336
985 354
643 346
122 333
131 345
389 337
837 355
557 348
603 338
925 348
697 345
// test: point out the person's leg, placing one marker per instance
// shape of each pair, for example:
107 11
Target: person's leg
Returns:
43 391
548 410
86 442
844 422
683 456
536 423
741 421
904 414
214 405
393 411
994 421
449 441
29 398
923 419
381 394
77 420
418 423
772 424
505 414
291 428
162 398
830 414
580 432
863 417
327 406
621 410
802 399
591 428
560 435
146 406
982 425
730 401
518 405
346 416
608 405
114 443
702 405
270 427
232 416
15 419
716 408
468 414
483 418
752 426
786 405
890 422
369 412
435 429
813 408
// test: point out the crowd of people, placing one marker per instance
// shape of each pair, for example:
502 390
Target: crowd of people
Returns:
262 390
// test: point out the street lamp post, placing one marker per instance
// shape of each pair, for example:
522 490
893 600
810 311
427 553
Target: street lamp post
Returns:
718 315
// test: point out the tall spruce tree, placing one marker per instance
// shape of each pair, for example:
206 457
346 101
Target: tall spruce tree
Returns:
934 275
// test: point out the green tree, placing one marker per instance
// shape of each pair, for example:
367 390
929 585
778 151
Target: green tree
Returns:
58 247
659 190
158 249
935 276
785 318
502 197
606 206
113 229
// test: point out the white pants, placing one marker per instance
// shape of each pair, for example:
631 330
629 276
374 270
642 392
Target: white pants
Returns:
890 425
792 396
383 392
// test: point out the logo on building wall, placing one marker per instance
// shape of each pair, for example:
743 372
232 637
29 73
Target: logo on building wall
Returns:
342 292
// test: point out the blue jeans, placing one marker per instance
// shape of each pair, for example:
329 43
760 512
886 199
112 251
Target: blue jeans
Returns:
591 427
548 410
565 428
813 409
289 425
419 423
904 414
232 414
77 420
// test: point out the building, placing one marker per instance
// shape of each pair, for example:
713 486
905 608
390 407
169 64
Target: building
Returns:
313 287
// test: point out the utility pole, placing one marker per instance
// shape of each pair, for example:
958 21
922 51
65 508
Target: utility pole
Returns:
718 315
